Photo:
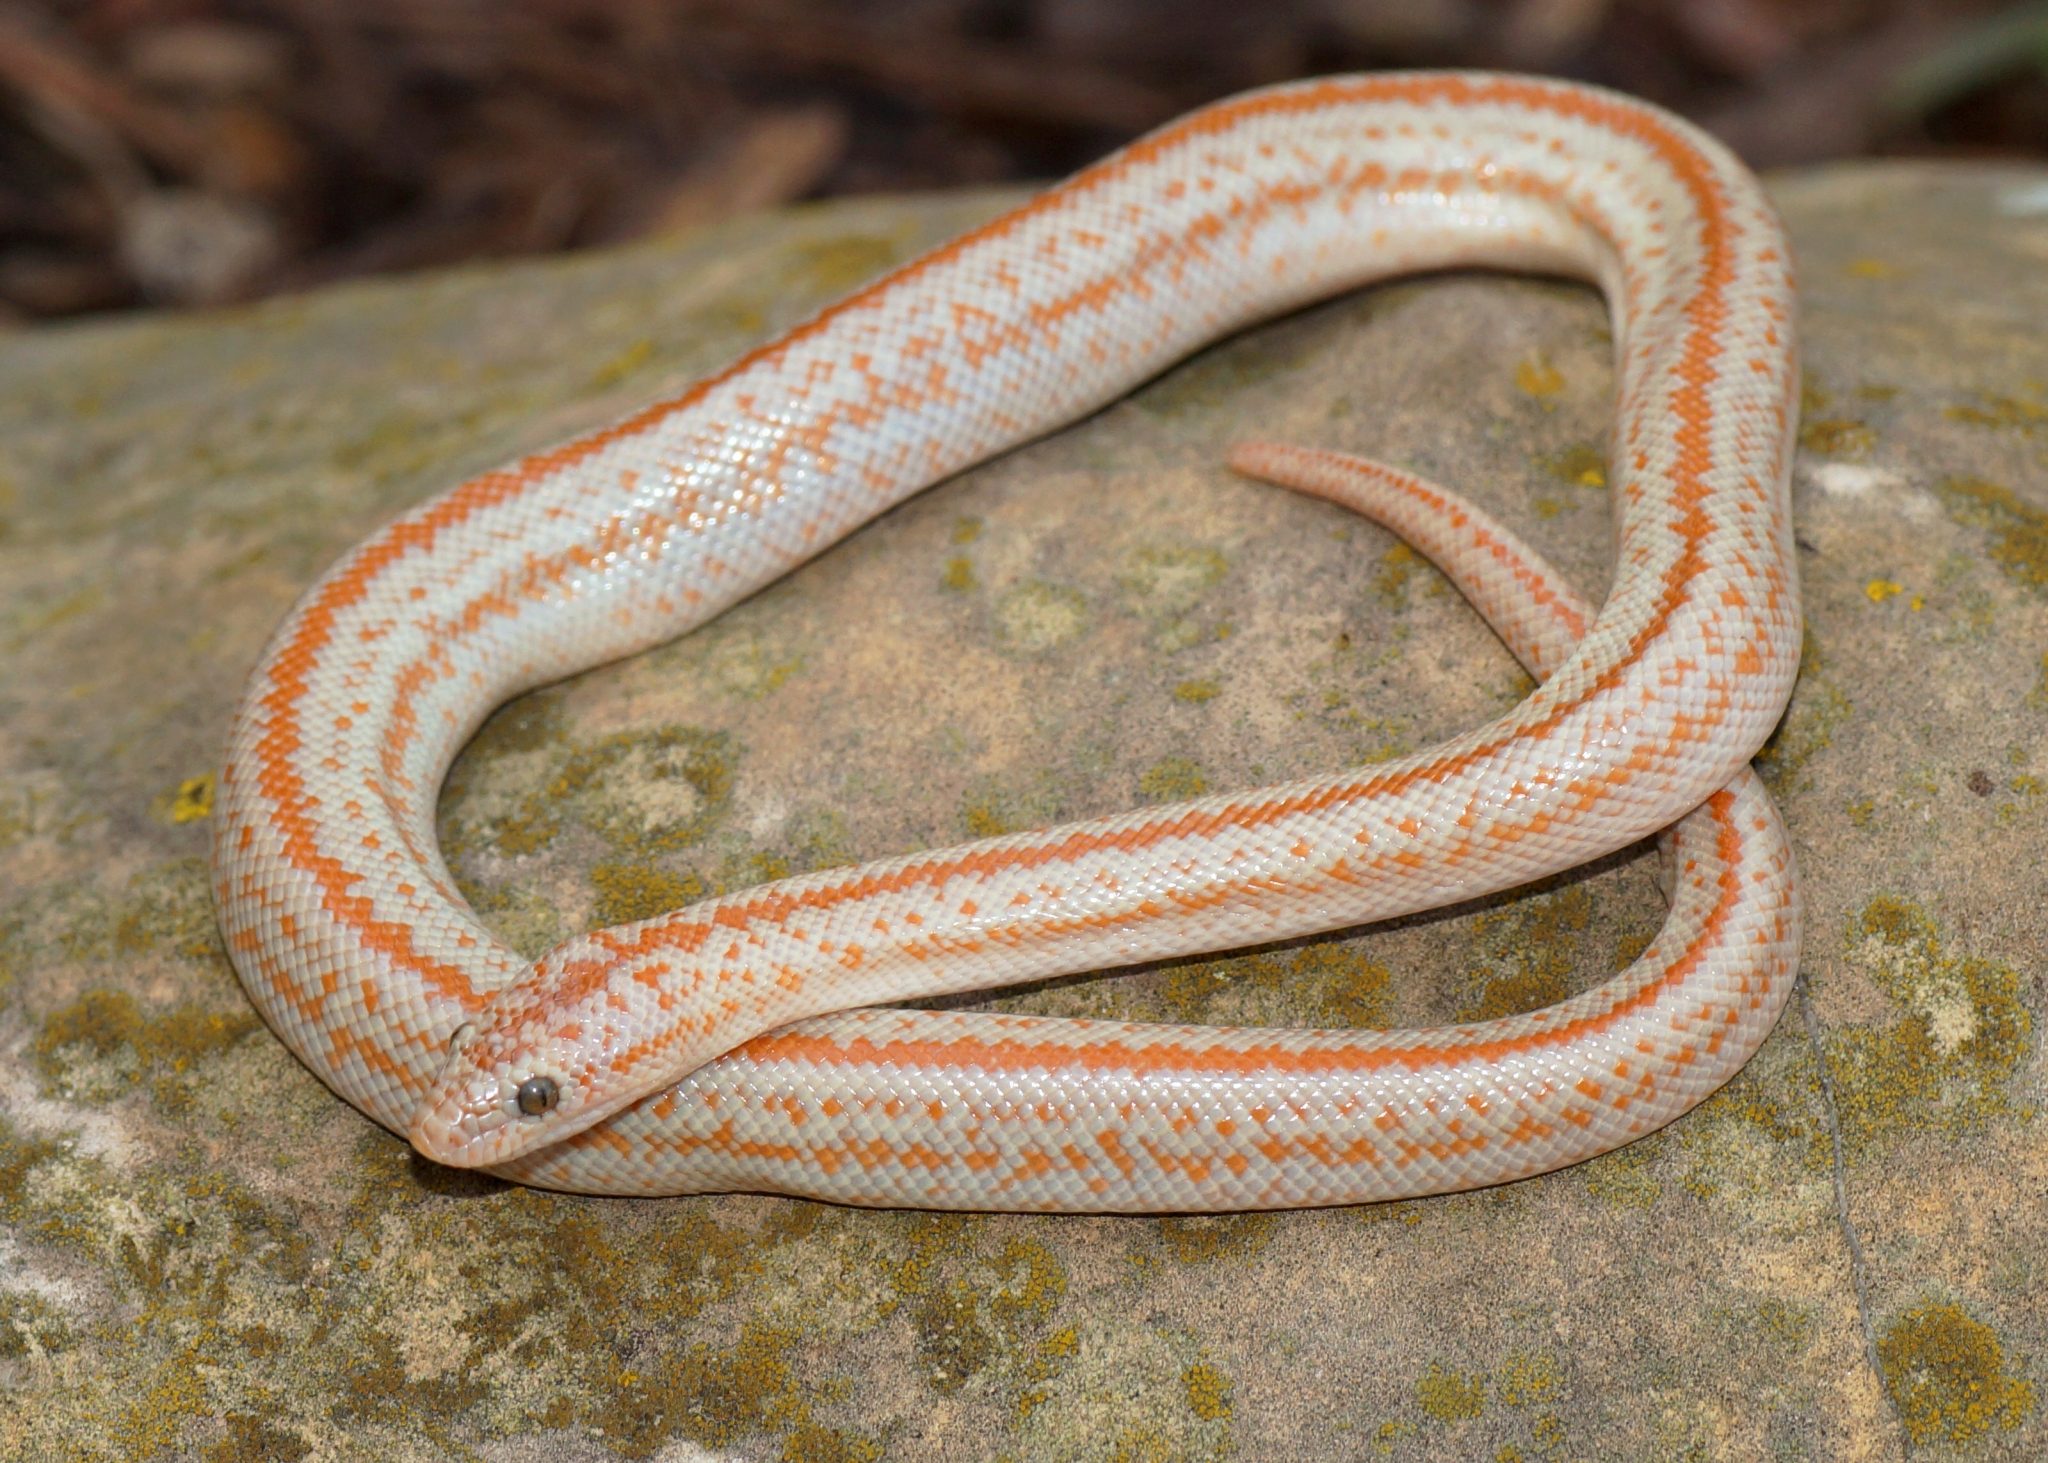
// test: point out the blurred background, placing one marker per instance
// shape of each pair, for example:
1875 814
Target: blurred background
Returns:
191 152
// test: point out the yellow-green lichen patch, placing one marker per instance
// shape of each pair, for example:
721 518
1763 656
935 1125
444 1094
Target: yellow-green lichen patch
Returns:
1208 1392
958 575
1161 581
1528 1379
1943 1063
1200 1239
1948 1376
1535 954
1388 1434
1172 778
1626 1178
749 667
1042 1366
835 266
717 1396
1786 1322
1035 617
1539 380
31 1328
2019 544
1816 712
1196 692
983 817
1583 465
1836 436
190 801
105 1042
2028 414
623 365
20 1156
1446 1395
1729 1140
1524 1381
972 1311
994 806
253 1438
183 1264
168 908
527 1309
1143 1443
1328 982
1399 565
153 1418
643 793
630 892
1165 584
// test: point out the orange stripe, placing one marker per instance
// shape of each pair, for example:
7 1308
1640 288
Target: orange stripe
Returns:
289 670
1339 1056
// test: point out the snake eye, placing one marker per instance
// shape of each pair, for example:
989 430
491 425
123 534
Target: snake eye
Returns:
537 1095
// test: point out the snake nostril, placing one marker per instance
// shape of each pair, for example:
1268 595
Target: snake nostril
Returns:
537 1095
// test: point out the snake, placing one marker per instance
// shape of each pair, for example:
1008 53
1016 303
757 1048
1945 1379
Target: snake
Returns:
727 1045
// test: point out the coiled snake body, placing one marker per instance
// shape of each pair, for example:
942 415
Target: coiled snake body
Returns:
696 1052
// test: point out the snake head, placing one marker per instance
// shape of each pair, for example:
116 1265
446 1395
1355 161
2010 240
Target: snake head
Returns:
591 1029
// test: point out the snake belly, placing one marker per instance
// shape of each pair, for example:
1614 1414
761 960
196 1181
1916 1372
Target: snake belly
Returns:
345 924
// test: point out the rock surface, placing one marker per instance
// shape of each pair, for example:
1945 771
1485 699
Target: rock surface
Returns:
1842 1255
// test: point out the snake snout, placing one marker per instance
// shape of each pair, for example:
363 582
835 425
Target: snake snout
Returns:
475 1116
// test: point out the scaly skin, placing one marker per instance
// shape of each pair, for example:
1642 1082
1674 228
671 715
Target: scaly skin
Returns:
954 1110
352 940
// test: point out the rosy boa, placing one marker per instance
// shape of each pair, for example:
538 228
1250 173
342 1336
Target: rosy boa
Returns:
634 1060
